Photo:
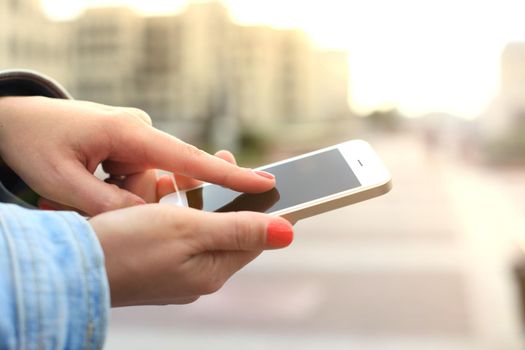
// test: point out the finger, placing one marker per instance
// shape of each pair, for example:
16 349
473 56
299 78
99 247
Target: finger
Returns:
80 189
164 186
137 113
170 301
227 156
225 264
166 152
184 182
142 184
47 204
123 168
127 165
183 300
234 261
243 231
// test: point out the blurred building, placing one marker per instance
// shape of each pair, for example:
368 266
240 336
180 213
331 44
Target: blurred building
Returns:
105 54
503 124
505 110
197 73
330 74
513 74
200 66
28 39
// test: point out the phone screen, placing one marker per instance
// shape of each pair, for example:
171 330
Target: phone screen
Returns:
297 182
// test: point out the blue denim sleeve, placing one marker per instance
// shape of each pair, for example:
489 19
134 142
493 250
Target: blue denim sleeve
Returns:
54 292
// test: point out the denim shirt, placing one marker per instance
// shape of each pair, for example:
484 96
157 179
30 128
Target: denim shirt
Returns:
54 292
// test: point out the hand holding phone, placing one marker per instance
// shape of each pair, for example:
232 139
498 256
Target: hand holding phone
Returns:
306 185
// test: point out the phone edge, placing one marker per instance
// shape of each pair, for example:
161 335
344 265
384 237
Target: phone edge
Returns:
337 203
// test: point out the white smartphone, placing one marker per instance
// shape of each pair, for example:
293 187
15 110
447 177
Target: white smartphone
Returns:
306 185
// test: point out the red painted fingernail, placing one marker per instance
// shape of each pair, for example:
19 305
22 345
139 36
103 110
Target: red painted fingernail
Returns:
45 207
279 234
264 174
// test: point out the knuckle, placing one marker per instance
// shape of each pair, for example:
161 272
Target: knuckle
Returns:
192 299
116 121
210 277
241 230
140 114
104 206
124 116
191 155
180 227
183 225
187 300
244 225
193 151
108 203
212 285
228 177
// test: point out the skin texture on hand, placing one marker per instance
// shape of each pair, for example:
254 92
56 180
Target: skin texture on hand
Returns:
55 146
164 254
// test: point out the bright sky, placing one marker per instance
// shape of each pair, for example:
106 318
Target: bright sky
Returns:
417 55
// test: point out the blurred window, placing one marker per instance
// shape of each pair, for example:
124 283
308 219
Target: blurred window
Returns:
14 5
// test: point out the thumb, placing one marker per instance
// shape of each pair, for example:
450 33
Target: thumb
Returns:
244 231
82 190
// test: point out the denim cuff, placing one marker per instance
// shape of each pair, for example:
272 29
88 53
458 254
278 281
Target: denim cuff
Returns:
54 292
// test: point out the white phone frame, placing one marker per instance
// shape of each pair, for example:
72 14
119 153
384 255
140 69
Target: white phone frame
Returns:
373 175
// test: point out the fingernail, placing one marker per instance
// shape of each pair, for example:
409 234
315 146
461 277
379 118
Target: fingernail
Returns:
140 201
264 174
132 201
279 234
44 207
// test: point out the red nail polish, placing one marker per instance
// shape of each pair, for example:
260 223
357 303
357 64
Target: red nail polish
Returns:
264 174
44 207
279 234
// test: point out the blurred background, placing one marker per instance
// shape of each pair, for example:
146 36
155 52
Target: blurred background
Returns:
437 87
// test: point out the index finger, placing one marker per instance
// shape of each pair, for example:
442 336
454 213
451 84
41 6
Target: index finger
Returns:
166 152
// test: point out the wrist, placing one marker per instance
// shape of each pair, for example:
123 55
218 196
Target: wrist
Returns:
110 240
16 83
12 188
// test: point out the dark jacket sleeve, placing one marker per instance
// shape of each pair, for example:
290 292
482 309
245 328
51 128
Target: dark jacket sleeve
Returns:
23 83
29 83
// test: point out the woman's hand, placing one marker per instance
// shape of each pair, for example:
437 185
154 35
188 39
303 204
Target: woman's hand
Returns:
163 254
55 146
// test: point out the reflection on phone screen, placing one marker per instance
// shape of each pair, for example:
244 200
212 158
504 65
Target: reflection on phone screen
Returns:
297 182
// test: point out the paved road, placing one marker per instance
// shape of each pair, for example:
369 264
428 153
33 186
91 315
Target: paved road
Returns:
425 267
